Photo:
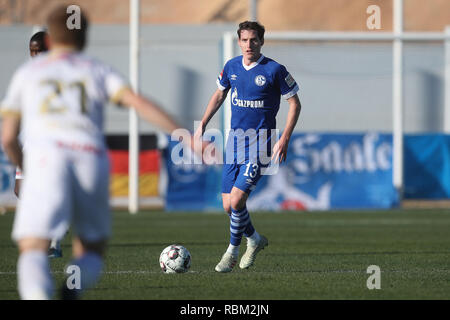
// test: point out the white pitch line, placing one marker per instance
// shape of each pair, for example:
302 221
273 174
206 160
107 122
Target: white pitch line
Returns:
253 271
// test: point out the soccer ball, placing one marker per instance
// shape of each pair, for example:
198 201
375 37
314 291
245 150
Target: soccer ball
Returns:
175 259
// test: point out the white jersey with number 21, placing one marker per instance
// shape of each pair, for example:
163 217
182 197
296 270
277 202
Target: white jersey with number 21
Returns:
60 97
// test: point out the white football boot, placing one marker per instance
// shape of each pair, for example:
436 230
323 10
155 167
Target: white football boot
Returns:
249 256
227 263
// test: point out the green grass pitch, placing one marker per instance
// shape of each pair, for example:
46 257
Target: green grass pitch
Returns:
311 255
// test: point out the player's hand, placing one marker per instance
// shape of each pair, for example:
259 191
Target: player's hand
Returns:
197 143
279 151
204 149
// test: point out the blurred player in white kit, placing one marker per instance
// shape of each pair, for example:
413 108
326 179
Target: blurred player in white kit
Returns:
58 99
37 45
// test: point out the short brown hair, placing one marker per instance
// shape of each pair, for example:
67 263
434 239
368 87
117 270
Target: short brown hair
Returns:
252 25
59 31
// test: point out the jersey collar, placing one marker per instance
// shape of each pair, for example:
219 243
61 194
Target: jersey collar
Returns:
252 65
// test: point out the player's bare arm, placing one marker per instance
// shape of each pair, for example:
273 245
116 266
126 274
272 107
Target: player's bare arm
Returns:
214 104
280 148
148 110
10 141
152 113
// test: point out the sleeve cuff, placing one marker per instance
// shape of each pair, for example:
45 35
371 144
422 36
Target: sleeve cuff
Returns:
9 113
221 87
291 93
117 96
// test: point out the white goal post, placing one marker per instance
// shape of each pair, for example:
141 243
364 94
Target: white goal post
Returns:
133 144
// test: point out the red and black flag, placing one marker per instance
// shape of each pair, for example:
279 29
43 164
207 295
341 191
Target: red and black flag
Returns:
149 165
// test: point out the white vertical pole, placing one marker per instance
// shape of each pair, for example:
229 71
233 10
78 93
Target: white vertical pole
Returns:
228 53
133 160
253 10
397 98
447 81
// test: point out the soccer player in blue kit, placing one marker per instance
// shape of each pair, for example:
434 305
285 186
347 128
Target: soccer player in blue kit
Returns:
256 83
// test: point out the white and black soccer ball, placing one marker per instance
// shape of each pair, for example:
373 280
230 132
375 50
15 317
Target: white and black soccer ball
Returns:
175 259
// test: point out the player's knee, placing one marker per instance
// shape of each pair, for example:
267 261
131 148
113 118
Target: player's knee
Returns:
33 244
80 247
227 207
237 202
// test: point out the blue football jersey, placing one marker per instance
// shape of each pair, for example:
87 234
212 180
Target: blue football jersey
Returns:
255 92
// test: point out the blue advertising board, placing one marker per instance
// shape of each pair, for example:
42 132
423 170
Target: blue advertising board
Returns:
191 186
322 171
427 166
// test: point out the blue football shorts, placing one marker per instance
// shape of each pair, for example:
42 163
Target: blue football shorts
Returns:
243 176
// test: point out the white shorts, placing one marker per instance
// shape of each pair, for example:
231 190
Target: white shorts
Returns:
63 188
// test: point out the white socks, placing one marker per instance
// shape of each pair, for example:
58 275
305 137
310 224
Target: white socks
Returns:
253 239
234 250
34 279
